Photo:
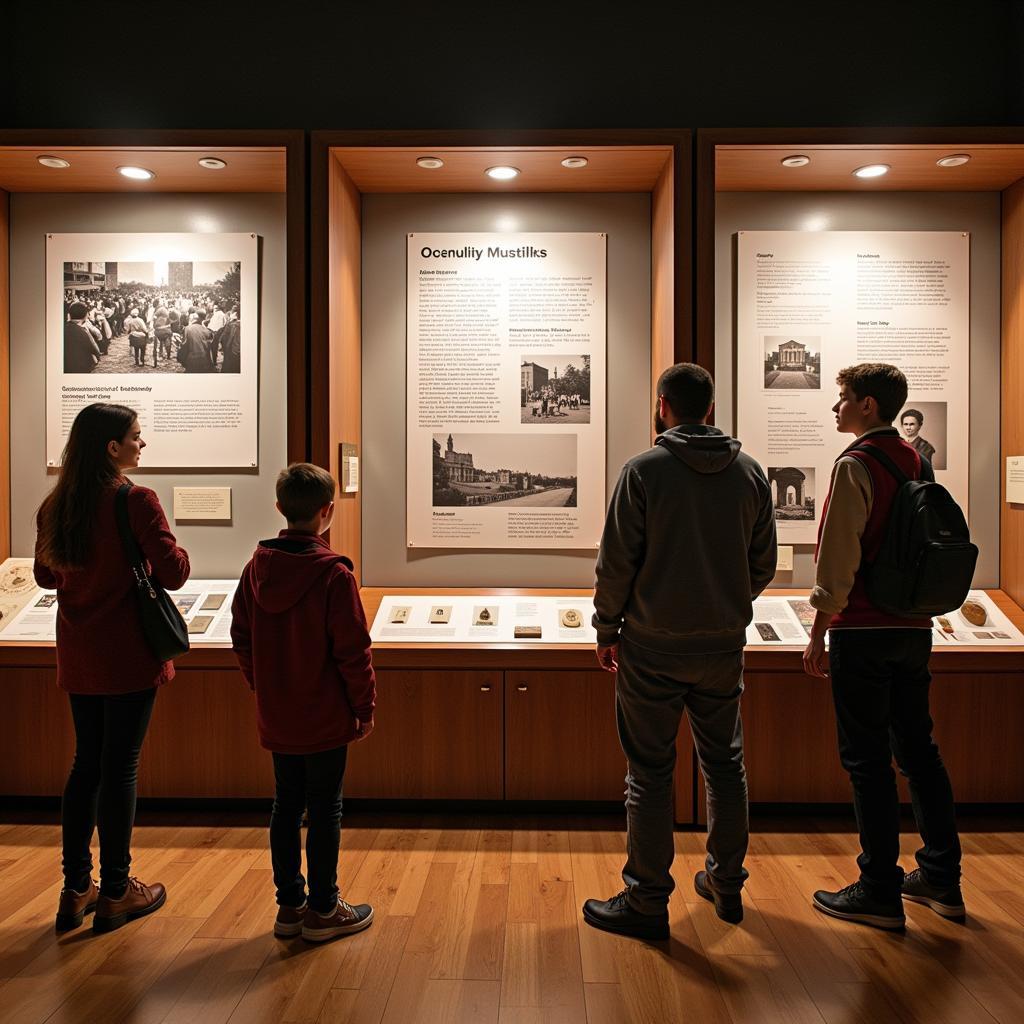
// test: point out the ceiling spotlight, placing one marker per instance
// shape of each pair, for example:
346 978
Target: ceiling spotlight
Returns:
502 173
797 160
430 163
954 160
871 171
574 162
53 161
212 163
136 173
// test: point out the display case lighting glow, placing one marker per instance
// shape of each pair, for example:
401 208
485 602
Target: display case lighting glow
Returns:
53 161
871 171
136 173
213 163
430 163
953 160
574 162
797 160
502 173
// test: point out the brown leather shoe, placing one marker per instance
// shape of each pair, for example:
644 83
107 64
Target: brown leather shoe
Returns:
289 921
73 906
138 901
343 920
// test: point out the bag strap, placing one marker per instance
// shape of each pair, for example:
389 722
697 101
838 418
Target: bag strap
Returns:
879 456
128 541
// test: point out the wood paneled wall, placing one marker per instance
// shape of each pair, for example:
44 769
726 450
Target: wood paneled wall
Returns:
345 359
663 276
1011 549
5 376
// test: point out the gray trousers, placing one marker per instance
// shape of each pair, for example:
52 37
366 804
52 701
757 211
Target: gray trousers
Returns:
652 691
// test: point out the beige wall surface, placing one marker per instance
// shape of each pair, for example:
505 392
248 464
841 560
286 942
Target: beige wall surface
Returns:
976 212
218 550
386 222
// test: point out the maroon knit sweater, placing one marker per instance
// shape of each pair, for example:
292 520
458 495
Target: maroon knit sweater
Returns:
100 646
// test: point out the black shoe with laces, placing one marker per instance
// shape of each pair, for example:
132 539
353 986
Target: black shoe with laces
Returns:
728 905
854 904
616 915
945 902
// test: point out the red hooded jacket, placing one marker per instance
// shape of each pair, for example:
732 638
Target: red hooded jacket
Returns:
299 632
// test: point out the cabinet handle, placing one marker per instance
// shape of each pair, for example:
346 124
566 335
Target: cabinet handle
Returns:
485 689
522 687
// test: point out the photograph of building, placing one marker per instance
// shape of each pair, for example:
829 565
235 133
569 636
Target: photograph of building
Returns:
554 388
792 362
792 492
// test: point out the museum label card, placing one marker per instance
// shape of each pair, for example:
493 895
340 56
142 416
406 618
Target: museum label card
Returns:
1015 479
202 503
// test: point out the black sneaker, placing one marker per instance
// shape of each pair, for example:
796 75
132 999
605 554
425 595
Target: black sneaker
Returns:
946 902
616 915
728 905
854 904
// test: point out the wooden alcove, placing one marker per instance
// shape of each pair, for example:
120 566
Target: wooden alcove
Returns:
978 693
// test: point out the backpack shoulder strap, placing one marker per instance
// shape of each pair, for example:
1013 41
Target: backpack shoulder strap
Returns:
879 456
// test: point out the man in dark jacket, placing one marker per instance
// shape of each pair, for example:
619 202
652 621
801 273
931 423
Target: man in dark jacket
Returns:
689 542
195 353
81 352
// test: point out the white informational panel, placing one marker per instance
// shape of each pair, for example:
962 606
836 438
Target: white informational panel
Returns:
484 620
812 302
506 390
195 392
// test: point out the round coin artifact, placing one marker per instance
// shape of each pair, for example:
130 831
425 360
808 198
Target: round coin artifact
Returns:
571 618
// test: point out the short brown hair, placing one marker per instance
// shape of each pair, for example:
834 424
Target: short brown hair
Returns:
302 490
883 382
688 389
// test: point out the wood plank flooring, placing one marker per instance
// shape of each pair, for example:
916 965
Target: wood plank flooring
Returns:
477 920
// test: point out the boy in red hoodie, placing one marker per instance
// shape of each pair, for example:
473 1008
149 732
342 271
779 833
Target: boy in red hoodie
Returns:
299 633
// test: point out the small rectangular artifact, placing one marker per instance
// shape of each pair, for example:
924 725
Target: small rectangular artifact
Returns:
200 623
400 615
485 616
441 613
527 632
212 602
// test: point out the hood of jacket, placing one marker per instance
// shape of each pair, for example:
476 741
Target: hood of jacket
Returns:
285 567
704 449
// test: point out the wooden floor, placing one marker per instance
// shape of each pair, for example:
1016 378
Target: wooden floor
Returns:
481 923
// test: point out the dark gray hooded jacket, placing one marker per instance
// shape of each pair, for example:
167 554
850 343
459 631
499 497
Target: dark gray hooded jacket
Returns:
688 544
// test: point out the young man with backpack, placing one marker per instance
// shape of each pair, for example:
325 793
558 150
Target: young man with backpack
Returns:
882 571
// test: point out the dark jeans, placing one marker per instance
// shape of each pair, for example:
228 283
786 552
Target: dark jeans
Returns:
880 685
651 693
310 782
109 731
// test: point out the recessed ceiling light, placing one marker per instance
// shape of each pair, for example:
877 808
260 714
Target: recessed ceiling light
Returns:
953 160
797 160
430 163
502 173
136 173
574 162
871 171
213 163
53 161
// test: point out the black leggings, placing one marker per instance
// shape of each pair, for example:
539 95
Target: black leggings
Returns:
109 731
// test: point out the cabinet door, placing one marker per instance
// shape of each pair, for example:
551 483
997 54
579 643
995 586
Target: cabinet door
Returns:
561 742
438 736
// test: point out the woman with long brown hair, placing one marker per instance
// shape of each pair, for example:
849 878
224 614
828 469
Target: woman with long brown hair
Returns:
103 660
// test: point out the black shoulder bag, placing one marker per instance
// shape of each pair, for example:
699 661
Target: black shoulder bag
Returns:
162 625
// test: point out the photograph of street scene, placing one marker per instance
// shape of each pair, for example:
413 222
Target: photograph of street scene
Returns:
504 470
152 317
554 389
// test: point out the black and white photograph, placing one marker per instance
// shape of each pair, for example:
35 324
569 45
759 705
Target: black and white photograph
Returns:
924 425
792 362
554 389
46 601
152 317
504 470
792 492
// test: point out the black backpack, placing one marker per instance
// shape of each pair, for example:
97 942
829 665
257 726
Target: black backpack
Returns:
925 565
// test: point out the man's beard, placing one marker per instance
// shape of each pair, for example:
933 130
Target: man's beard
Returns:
659 424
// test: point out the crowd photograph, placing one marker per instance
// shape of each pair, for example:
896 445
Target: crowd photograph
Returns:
554 388
152 317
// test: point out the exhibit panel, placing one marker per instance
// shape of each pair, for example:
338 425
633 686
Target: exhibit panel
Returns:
942 207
